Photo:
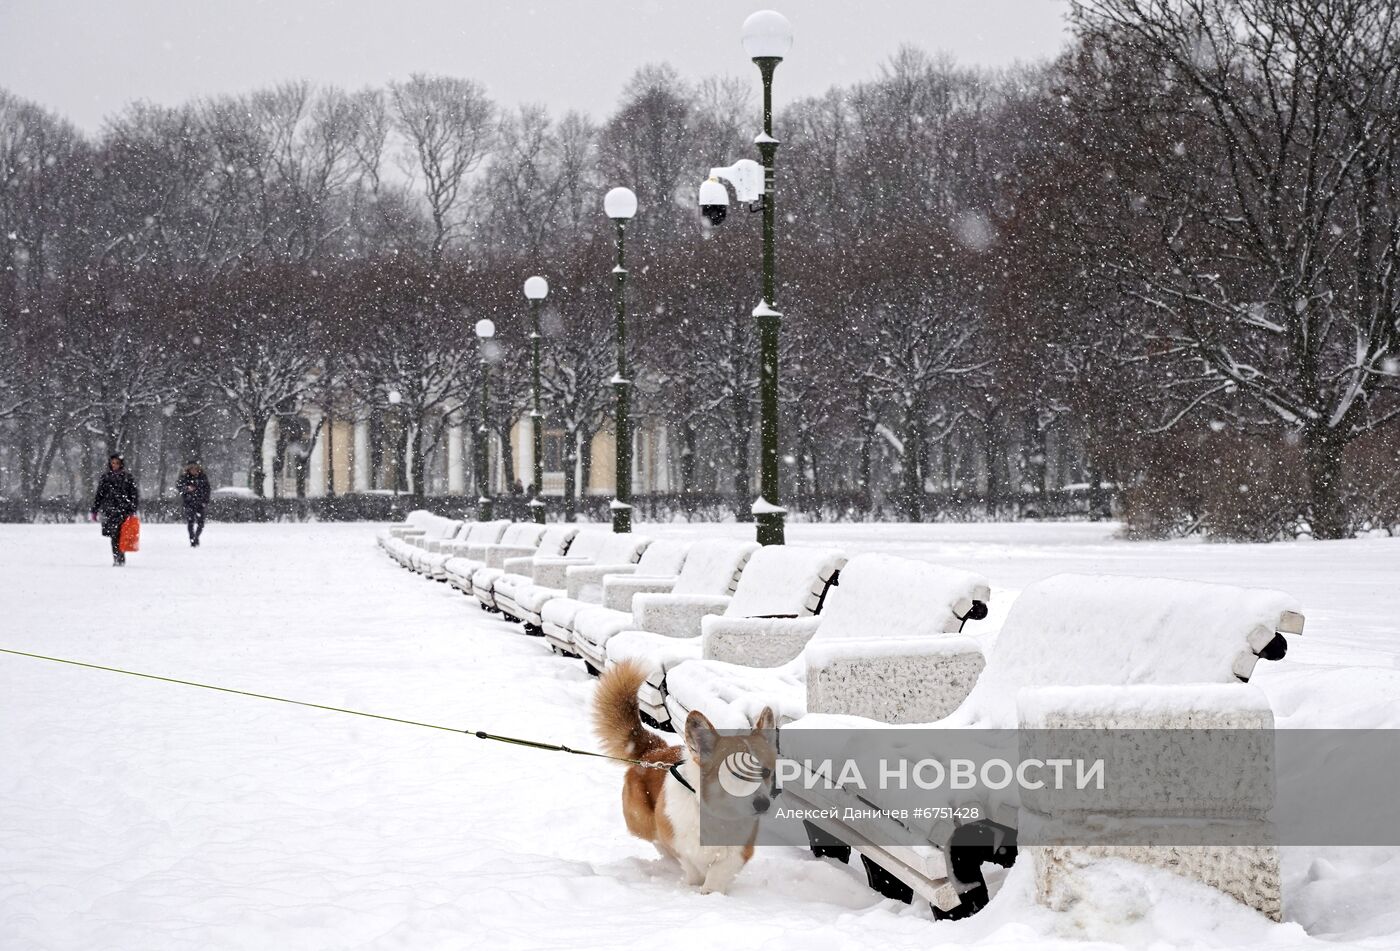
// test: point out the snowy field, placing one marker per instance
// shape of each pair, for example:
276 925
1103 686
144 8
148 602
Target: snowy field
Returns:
149 816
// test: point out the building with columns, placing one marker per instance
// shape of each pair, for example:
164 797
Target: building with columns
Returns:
310 455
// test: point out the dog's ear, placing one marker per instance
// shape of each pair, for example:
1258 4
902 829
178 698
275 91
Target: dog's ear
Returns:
700 735
766 726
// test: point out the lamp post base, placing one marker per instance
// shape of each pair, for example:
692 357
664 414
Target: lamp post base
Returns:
621 517
771 527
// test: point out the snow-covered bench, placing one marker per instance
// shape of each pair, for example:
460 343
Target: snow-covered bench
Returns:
433 555
712 568
413 523
434 528
585 585
881 607
521 538
1075 650
522 596
778 581
557 541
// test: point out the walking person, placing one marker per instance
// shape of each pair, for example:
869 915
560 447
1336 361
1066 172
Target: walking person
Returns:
117 500
193 486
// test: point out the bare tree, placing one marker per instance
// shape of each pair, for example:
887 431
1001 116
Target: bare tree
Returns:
447 128
577 367
259 351
412 347
533 191
1258 146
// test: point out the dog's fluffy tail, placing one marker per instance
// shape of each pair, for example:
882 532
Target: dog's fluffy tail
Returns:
617 716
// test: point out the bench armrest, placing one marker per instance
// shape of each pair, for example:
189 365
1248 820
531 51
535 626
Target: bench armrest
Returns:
585 582
496 555
895 680
1174 750
676 615
756 642
618 590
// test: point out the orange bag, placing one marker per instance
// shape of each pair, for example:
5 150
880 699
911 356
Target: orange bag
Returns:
130 538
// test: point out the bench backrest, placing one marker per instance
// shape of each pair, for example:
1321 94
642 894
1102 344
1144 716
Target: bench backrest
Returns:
1076 630
884 596
556 539
523 533
440 526
486 533
713 567
783 581
621 549
587 544
662 559
418 518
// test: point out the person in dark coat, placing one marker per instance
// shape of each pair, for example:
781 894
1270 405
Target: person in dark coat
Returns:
117 500
193 486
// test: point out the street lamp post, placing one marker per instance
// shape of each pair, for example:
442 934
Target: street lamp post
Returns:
767 36
399 456
620 205
536 289
485 330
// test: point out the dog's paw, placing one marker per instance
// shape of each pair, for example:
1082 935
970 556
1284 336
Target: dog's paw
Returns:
713 886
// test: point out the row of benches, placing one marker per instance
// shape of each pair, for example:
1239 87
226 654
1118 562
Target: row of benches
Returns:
727 628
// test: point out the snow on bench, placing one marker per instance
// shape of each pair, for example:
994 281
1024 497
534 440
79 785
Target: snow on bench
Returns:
880 605
553 542
523 598
520 571
432 528
474 553
712 569
428 548
778 581
585 586
413 523
432 561
1075 651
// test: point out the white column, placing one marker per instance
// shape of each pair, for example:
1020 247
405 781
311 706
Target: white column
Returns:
316 464
578 466
526 455
456 461
661 460
269 454
359 457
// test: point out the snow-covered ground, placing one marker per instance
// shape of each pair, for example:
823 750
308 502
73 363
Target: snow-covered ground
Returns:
142 815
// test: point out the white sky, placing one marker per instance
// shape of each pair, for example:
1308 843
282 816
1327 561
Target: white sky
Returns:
86 58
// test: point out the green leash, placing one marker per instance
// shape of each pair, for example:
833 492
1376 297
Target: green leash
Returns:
479 734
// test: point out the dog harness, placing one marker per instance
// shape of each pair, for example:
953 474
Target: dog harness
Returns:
675 771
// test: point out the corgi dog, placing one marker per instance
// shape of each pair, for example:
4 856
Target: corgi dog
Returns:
666 807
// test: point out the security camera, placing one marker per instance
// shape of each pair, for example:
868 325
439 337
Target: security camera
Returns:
714 201
746 178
